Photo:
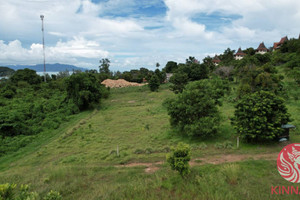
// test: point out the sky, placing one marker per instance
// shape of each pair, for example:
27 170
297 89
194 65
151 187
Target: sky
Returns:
139 33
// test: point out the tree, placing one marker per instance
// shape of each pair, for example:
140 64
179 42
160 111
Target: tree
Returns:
157 65
154 83
179 159
259 116
207 61
198 72
104 66
84 90
26 75
227 56
178 80
194 112
171 66
191 60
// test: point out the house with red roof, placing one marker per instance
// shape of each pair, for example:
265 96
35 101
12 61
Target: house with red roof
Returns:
262 49
239 54
277 45
216 60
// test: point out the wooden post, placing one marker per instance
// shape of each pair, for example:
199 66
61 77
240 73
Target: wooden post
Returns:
118 150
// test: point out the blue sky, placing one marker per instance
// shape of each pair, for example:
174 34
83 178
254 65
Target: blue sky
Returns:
139 33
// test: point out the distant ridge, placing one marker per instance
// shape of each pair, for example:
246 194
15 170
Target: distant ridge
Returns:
57 67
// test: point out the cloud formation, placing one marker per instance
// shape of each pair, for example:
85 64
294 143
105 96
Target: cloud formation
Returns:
139 33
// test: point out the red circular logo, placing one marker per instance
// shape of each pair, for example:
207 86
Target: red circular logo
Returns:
288 163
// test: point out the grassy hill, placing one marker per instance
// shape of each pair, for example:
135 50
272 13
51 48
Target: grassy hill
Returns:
79 159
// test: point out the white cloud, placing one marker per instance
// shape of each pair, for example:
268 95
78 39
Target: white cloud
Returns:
66 52
74 30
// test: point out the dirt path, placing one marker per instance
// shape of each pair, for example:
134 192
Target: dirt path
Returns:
219 159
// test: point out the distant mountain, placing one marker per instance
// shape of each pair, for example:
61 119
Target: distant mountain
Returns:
49 67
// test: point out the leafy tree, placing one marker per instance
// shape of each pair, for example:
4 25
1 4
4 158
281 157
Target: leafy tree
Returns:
171 66
26 75
258 117
198 72
5 71
254 79
84 90
104 66
179 159
207 61
227 56
8 91
157 65
186 73
178 80
194 112
191 60
291 46
154 83
161 75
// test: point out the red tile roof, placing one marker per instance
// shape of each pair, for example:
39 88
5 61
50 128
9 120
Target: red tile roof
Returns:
262 47
278 44
240 52
216 59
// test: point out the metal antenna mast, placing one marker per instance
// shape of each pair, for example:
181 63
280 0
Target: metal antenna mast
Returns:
42 18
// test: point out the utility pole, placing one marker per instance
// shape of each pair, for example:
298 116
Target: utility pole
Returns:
42 18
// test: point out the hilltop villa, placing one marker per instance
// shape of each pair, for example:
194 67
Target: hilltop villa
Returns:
216 60
277 45
262 49
239 54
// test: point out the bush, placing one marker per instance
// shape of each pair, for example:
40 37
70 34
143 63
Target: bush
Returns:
194 112
84 90
53 195
7 191
258 117
154 83
26 75
178 80
179 159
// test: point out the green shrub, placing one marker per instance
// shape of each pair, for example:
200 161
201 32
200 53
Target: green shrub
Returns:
154 83
194 111
258 117
139 151
7 191
179 159
219 145
84 90
202 145
53 195
231 173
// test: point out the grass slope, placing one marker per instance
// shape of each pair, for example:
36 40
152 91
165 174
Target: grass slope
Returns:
80 160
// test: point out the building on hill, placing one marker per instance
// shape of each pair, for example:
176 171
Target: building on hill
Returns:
239 54
277 45
262 49
216 60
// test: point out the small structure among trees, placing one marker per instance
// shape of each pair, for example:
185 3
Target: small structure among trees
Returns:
262 49
277 45
216 60
239 54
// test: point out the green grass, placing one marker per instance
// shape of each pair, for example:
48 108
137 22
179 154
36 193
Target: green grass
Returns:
79 159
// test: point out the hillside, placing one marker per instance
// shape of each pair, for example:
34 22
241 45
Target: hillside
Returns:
5 71
80 160
57 67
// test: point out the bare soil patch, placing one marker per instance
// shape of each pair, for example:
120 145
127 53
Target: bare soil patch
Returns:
219 159
119 83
